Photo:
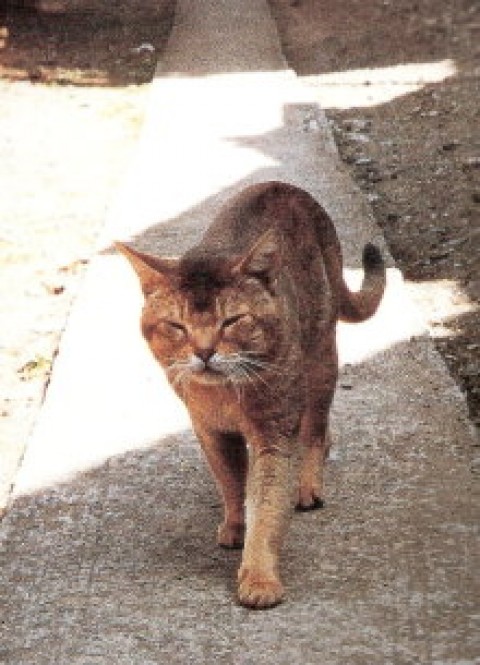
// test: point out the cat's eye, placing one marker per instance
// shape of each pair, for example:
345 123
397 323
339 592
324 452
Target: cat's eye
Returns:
232 320
174 325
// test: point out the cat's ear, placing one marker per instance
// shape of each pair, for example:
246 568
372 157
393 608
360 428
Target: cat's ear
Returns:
262 259
153 272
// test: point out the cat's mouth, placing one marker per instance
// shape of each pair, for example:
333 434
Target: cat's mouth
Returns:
234 369
208 374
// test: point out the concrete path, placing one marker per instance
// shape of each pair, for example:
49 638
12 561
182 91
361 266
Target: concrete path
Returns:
108 549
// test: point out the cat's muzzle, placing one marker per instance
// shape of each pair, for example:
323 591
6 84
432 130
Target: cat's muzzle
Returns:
206 363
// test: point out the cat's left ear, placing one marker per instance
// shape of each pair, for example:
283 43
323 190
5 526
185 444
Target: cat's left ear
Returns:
263 259
153 272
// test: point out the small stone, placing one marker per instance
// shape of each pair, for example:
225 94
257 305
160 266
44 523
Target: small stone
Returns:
359 124
363 161
472 163
55 290
37 367
438 256
3 37
311 125
51 6
472 369
74 266
358 137
35 74
473 288
475 466
145 47
450 145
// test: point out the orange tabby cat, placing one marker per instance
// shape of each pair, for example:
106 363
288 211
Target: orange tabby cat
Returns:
244 326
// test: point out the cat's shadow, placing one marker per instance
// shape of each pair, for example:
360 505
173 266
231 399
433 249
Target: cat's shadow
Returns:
145 520
147 517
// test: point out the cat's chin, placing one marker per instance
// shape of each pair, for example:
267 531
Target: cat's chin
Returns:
208 377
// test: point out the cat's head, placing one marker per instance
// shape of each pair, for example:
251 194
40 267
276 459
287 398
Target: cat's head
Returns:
212 318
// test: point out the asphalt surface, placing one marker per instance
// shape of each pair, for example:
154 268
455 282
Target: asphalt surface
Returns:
108 547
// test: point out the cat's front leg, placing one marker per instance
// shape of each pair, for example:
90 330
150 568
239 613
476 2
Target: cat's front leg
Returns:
228 461
268 510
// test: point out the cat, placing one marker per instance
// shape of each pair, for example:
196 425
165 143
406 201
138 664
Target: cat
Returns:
244 326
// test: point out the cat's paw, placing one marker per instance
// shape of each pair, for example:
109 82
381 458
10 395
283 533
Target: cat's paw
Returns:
259 590
309 499
231 536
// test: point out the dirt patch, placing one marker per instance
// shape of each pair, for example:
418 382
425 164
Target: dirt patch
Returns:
84 47
73 90
416 154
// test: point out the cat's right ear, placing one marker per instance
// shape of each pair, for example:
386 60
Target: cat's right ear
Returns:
263 259
153 272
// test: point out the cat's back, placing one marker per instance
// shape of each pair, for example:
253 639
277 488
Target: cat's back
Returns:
292 211
303 231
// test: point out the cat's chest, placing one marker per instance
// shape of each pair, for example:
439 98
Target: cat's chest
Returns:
245 410
219 408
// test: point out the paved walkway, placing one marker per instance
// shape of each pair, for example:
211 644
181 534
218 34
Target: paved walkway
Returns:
108 550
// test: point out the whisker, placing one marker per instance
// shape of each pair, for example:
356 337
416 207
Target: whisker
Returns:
252 358
180 377
237 387
183 376
267 366
241 369
240 377
178 364
230 367
252 373
238 369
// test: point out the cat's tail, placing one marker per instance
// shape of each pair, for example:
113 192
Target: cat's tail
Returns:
355 307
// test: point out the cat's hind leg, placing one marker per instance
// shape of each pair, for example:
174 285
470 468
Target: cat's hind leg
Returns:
310 489
314 437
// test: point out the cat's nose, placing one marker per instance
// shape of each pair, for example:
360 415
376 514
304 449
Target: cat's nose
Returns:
205 354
